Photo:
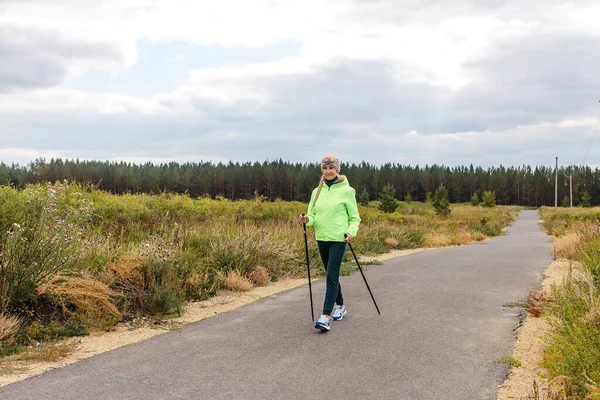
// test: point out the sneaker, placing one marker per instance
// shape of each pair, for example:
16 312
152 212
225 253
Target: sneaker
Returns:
323 323
338 312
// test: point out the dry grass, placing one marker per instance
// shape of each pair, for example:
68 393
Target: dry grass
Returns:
9 324
436 239
195 281
391 242
478 236
92 299
462 236
126 277
566 246
236 282
537 300
49 352
128 268
260 276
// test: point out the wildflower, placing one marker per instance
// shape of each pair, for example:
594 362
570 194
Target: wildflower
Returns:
16 225
8 232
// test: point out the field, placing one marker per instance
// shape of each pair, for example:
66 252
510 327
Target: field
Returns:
75 259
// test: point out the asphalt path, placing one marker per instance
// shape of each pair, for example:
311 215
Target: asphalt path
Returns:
443 325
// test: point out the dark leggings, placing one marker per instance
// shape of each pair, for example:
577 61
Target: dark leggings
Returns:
332 254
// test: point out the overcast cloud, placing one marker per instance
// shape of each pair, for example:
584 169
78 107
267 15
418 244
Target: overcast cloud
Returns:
407 81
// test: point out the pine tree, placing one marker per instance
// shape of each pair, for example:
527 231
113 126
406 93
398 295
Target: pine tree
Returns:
388 202
363 197
475 200
440 202
586 200
488 198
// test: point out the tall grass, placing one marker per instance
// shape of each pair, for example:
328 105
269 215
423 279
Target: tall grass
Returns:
99 257
573 352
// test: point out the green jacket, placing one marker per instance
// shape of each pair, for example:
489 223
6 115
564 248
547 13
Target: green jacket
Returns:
335 212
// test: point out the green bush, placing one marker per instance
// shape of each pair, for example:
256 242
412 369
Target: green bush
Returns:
44 242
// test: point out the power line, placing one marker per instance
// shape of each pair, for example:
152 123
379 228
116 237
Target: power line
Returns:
592 141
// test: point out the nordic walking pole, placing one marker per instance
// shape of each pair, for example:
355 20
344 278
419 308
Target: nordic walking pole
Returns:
363 275
312 312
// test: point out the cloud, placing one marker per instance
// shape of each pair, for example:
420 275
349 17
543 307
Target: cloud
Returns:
33 58
417 82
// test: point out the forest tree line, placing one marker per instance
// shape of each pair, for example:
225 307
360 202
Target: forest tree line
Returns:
523 185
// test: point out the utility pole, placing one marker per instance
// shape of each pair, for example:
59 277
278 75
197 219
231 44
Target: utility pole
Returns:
556 186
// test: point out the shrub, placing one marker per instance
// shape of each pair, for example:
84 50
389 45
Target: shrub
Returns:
42 333
152 281
391 242
82 297
46 241
237 282
474 200
9 324
260 276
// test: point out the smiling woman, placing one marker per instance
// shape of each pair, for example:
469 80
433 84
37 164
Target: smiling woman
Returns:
333 213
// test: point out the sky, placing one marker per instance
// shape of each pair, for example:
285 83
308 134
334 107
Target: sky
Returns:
411 82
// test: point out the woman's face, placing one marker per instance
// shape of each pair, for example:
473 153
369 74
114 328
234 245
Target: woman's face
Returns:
328 171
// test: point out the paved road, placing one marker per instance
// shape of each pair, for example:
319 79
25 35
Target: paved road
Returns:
442 326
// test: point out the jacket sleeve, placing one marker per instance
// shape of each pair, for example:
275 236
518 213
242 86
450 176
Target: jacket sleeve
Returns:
309 213
353 215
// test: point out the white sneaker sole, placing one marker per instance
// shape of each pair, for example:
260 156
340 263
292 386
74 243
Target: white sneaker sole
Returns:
340 317
323 328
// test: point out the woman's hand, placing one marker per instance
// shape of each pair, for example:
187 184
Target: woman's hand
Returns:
303 218
347 238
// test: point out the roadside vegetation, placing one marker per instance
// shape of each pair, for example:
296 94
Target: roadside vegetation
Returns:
572 355
74 258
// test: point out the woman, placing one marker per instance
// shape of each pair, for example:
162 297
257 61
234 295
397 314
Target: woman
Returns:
333 213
